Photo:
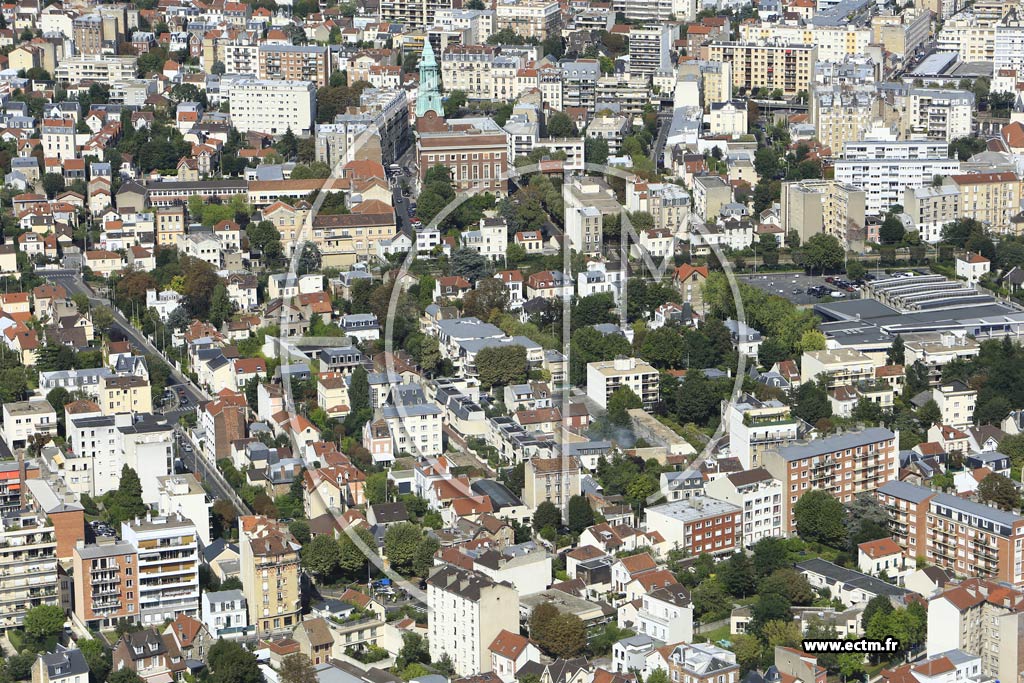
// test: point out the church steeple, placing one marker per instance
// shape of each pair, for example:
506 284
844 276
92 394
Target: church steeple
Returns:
429 97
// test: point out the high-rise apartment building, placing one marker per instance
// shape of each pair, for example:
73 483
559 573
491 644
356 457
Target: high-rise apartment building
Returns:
295 63
269 565
843 465
168 567
468 611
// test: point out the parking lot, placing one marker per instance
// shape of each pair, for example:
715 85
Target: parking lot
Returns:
794 286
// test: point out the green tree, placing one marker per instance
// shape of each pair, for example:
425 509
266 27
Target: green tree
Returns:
581 514
376 488
748 650
959 231
823 252
288 145
1000 491
500 366
595 151
781 633
470 264
359 390
547 515
299 528
352 558
767 608
737 574
561 126
490 295
424 559
811 340
221 306
855 270
789 583
320 556
98 658
400 544
710 600
58 397
810 402
43 621
879 603
125 503
297 668
897 352
230 662
620 403
820 518
891 231
1013 446
53 184
126 675
455 101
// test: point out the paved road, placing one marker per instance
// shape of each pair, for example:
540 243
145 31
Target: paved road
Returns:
207 471
664 124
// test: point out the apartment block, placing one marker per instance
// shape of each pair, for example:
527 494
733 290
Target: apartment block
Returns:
469 68
269 568
106 575
956 402
698 525
842 114
87 33
28 564
843 465
834 43
758 495
772 66
992 199
666 614
1008 50
170 225
650 49
884 169
756 426
973 539
935 113
529 18
168 567
605 377
183 495
294 63
412 12
930 207
125 394
970 36
984 618
92 436
475 150
295 106
841 367
825 206
907 507
903 33
554 480
108 69
468 611
23 420
702 663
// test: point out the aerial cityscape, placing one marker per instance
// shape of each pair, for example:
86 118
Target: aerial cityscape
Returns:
512 341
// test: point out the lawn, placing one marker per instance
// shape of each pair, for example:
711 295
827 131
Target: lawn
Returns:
722 632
